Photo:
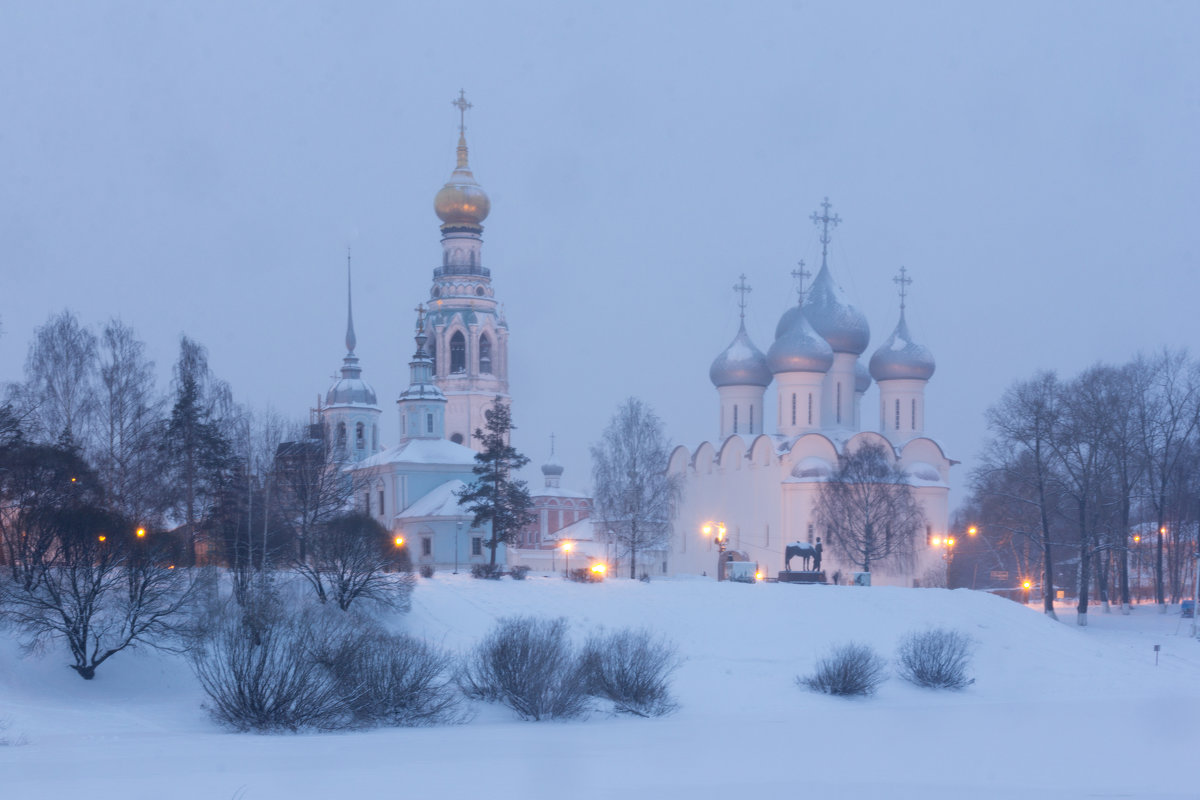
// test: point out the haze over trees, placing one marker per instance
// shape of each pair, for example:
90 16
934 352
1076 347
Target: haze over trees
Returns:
1080 476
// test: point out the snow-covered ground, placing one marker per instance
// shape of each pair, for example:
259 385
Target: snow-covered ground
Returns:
1056 711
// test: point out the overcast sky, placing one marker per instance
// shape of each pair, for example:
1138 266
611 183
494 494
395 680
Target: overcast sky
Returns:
201 168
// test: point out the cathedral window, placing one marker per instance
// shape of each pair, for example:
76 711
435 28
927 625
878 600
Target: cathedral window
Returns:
793 409
429 423
476 545
839 403
735 420
897 415
485 355
403 424
360 436
810 408
457 438
810 531
751 419
374 437
458 353
341 434
381 502
479 291
367 502
426 546
914 414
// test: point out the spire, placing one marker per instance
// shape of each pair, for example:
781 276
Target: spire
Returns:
351 341
825 221
552 470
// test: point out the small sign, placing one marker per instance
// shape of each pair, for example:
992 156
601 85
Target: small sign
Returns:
999 575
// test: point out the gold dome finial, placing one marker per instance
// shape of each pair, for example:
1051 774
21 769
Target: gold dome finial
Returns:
462 201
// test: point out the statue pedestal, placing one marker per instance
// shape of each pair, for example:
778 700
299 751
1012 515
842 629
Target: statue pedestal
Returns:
802 577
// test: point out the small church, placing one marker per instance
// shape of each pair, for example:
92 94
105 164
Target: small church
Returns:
760 478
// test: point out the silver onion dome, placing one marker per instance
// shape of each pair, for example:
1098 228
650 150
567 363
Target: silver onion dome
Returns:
350 389
900 358
862 377
799 348
740 364
838 322
552 468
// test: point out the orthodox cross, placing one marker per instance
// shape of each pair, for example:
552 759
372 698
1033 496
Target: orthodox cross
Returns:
801 275
902 280
825 221
552 445
420 309
462 105
742 288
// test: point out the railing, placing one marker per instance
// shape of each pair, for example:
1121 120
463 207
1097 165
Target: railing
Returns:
462 269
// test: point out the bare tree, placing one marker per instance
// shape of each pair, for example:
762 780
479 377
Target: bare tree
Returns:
352 557
868 510
128 421
57 396
1168 412
635 496
1023 426
309 485
93 580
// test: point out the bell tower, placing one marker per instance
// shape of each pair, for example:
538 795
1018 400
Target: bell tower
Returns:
467 332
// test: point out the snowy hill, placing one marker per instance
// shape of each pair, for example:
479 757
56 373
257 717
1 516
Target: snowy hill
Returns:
1055 710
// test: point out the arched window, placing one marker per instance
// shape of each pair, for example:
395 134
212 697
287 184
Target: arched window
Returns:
374 437
471 258
457 438
897 415
752 419
914 414
793 409
341 434
360 436
810 408
735 420
485 355
433 349
458 353
839 403
429 423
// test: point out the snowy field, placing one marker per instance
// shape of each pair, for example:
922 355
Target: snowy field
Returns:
1056 711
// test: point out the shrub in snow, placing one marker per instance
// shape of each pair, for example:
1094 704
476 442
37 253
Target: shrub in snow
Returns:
393 679
262 671
529 665
585 575
489 571
850 669
519 572
936 658
632 669
427 570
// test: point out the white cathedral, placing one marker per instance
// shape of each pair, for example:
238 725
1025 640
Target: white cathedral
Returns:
761 478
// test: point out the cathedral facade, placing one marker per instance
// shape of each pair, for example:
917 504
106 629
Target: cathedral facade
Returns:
760 477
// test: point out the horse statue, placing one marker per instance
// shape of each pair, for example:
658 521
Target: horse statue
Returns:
806 552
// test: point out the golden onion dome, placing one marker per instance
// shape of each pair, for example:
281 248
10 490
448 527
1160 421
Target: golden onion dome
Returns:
462 201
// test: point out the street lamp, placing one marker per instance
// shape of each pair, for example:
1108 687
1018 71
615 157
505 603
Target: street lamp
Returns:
717 531
566 548
457 536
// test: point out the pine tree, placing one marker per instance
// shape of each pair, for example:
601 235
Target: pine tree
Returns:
495 496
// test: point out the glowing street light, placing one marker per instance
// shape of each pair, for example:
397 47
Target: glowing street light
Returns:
399 541
566 548
102 538
716 530
141 533
971 531
598 570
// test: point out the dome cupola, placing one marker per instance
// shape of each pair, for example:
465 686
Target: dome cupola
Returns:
740 364
900 358
350 389
799 348
862 377
462 201
838 322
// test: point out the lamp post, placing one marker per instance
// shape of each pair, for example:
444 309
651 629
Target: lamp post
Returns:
717 531
457 536
566 548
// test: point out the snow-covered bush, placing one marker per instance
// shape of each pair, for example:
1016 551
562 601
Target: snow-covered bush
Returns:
489 571
394 679
528 664
519 572
631 668
849 669
262 671
937 658
427 570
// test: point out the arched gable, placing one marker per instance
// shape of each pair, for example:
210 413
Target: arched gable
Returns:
859 439
812 445
702 462
924 449
761 451
732 452
677 464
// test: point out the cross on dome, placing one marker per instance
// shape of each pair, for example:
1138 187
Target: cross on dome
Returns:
902 280
825 221
462 105
743 289
801 275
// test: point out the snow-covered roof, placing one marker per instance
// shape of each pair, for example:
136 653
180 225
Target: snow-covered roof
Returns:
580 530
423 451
554 491
441 502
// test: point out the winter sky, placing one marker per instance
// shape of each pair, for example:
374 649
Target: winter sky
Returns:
202 168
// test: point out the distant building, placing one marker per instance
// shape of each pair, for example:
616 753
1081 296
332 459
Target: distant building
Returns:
761 478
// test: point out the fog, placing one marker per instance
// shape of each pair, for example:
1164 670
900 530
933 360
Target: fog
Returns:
201 168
